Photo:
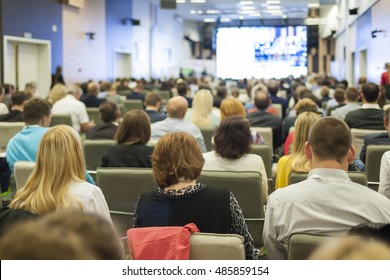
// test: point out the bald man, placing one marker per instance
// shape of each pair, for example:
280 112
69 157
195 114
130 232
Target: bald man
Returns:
176 109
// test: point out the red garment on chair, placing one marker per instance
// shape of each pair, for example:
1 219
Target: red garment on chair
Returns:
160 243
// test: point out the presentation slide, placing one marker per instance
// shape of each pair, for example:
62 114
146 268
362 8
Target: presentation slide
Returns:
261 52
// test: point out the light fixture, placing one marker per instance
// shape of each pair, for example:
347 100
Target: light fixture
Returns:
375 32
91 35
198 1
246 2
180 1
209 20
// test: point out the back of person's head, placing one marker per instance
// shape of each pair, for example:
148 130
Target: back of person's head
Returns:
134 129
152 98
35 110
202 105
30 89
92 89
273 88
75 90
18 98
352 94
262 100
362 80
176 156
97 233
305 105
387 65
231 107
108 111
324 91
330 139
370 92
351 248
339 95
177 107
204 86
233 138
308 94
182 88
59 161
58 92
235 92
34 240
221 92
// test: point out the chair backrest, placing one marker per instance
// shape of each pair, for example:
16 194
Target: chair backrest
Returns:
94 150
121 188
279 109
246 187
265 153
266 133
8 130
373 161
57 119
22 170
301 245
212 246
355 176
207 136
133 104
164 94
124 92
93 115
358 137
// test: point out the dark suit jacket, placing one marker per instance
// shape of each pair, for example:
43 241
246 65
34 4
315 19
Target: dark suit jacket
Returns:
102 131
136 95
137 155
91 101
155 116
365 119
373 139
264 119
12 116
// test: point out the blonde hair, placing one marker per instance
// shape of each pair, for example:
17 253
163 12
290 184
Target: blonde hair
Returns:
60 160
298 160
58 92
202 104
231 107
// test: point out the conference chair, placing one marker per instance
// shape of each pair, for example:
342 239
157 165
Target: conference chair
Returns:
8 130
373 163
94 150
246 187
266 133
121 188
164 94
279 109
265 153
57 119
355 176
22 170
207 136
93 115
358 138
133 104
124 92
302 245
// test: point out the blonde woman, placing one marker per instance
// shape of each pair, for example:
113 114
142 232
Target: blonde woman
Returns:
58 92
58 179
201 114
296 162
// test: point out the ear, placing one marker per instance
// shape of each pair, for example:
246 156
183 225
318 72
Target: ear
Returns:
351 154
308 152
385 122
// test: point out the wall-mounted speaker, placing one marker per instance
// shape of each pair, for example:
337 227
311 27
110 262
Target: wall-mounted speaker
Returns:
168 4
353 11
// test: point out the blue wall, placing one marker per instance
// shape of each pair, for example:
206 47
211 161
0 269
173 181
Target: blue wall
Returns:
118 34
36 17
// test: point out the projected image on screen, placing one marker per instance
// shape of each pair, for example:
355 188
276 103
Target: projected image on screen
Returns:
261 52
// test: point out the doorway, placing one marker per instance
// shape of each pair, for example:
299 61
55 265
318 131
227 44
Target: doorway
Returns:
363 63
27 60
122 64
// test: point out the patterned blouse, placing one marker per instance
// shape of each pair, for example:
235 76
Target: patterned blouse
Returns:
238 225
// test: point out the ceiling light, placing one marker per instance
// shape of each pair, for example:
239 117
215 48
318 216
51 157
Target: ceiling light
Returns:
212 12
209 20
224 20
313 5
284 16
273 2
274 7
180 1
246 2
200 12
192 12
241 17
198 1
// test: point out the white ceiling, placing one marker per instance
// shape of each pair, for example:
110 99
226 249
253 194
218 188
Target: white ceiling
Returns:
226 10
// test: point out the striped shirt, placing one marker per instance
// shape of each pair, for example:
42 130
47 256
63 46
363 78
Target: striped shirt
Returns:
327 203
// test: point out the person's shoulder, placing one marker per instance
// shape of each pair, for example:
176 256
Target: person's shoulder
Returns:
83 189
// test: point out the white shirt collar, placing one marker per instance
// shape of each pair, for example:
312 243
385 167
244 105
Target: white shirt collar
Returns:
370 106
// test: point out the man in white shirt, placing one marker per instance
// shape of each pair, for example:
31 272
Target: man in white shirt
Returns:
176 108
328 202
352 96
70 104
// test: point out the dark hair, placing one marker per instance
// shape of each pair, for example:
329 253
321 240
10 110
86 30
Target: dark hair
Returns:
330 139
221 91
182 88
262 100
273 88
233 138
18 98
35 109
152 98
108 111
352 94
370 92
339 95
134 129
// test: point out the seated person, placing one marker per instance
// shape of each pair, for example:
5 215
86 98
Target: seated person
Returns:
90 99
18 100
201 114
232 150
179 199
109 113
58 178
152 105
133 134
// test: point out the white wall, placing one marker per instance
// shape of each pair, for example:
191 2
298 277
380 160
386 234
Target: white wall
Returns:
84 58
